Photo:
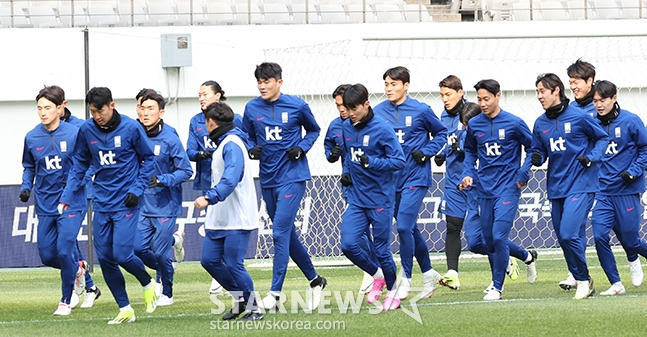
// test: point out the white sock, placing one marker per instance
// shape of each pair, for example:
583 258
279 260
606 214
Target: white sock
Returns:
428 273
529 258
378 274
126 308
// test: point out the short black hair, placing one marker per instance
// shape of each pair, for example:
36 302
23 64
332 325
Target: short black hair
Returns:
355 95
470 110
605 89
398 73
489 85
216 88
340 90
143 92
152 94
98 97
267 70
551 81
451 82
219 112
581 69
52 93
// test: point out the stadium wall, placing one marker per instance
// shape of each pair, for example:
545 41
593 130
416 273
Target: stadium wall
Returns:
315 58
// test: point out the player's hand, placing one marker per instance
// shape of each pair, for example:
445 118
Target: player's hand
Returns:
439 160
202 155
62 207
346 180
335 152
131 200
521 184
200 203
535 158
154 182
585 161
419 157
24 195
363 160
456 147
255 152
627 177
466 183
295 153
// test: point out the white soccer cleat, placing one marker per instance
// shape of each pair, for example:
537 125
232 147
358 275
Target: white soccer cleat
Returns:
367 284
429 281
164 301
270 302
215 288
584 289
79 280
491 287
492 295
63 310
636 270
531 267
178 246
313 294
403 288
615 289
569 283
158 289
74 300
91 295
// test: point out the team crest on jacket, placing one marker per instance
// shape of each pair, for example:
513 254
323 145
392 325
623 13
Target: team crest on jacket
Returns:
407 121
501 134
567 127
618 132
63 145
117 141
284 117
366 139
157 149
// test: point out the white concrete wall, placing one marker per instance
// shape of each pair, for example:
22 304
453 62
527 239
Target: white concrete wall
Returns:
315 59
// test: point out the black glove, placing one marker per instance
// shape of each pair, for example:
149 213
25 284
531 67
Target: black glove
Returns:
535 158
131 200
295 153
438 159
363 159
585 161
627 177
155 182
345 179
202 155
456 147
255 152
24 195
419 157
335 152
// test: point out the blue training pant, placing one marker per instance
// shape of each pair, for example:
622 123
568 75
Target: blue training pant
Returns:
114 242
223 257
497 216
57 246
153 242
569 222
407 205
354 224
621 214
282 205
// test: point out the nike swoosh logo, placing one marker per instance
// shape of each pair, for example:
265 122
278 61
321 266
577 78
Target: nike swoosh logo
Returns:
288 196
93 142
298 155
71 215
164 220
128 215
630 209
40 148
379 209
506 203
198 129
260 118
575 199
545 131
480 135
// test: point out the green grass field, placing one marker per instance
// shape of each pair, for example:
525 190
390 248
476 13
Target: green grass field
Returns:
29 297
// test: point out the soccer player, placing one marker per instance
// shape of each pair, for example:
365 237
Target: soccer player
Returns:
573 143
334 148
162 200
413 124
91 291
622 182
373 158
495 138
200 148
274 122
46 161
119 151
581 76
232 212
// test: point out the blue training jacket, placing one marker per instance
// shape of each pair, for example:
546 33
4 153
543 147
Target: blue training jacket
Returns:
413 122
172 168
122 160
47 159
373 187
335 136
496 143
277 126
572 134
453 161
627 151
199 141
589 108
